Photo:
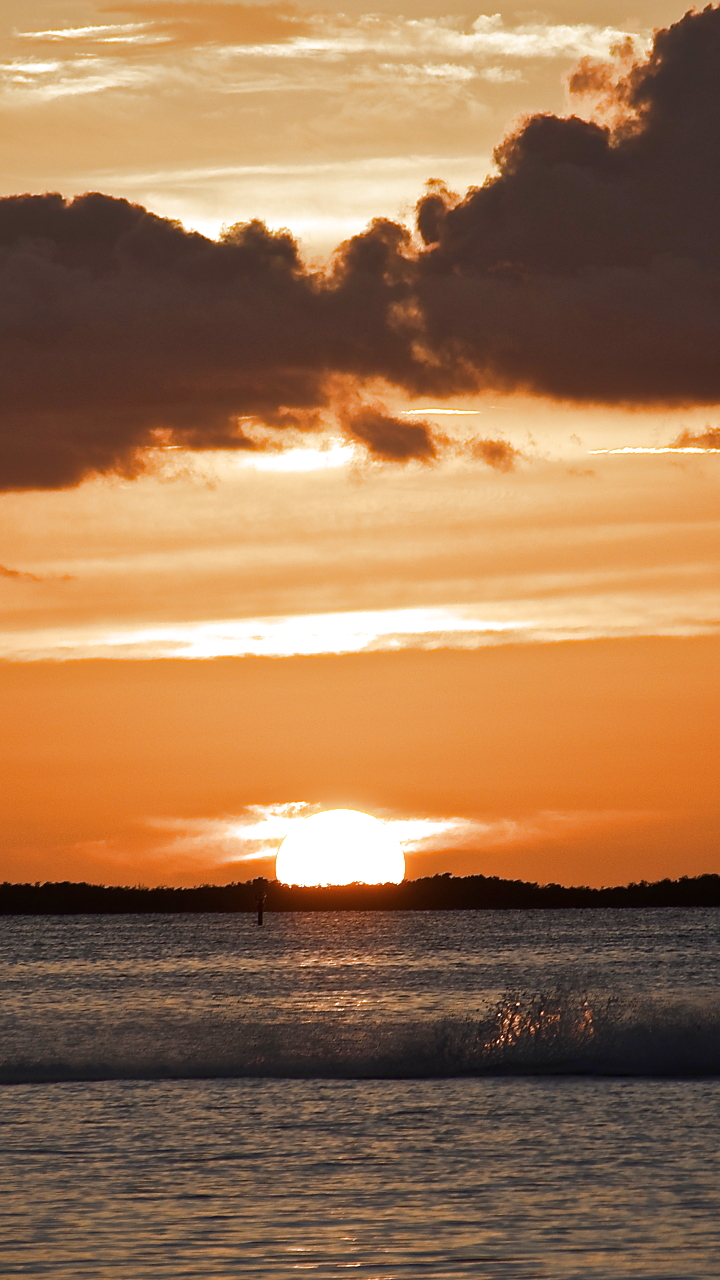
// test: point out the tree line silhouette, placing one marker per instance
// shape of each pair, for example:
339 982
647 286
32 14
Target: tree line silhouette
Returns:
430 893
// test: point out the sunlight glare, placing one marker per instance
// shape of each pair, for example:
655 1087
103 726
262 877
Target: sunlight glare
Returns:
340 846
334 455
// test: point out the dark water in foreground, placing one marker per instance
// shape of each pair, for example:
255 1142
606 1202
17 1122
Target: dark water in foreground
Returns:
490 1094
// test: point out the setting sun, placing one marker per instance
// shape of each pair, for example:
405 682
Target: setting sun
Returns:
340 846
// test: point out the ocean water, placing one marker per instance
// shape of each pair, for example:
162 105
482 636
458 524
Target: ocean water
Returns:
410 1094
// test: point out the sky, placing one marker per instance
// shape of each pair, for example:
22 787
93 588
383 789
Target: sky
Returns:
359 440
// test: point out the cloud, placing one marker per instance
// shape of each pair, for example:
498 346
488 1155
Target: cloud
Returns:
122 332
201 23
707 439
191 24
496 453
587 269
553 609
247 47
98 33
391 438
257 832
18 575
246 27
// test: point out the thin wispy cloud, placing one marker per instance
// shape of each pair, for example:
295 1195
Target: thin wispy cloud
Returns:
106 33
707 441
627 609
18 575
668 448
236 28
259 830
255 834
222 47
23 575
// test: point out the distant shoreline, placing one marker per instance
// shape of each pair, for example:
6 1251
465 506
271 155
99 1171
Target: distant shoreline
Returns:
432 893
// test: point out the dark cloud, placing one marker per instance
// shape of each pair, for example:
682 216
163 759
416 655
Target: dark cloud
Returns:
587 269
391 438
120 331
433 208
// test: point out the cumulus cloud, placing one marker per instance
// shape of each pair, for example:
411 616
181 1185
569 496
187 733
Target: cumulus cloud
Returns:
587 268
122 331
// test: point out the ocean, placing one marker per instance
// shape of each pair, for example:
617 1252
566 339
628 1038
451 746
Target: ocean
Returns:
490 1094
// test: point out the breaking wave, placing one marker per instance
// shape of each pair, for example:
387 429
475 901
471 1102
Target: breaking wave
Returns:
554 1033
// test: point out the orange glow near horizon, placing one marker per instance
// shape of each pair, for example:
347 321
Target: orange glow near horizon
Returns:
590 763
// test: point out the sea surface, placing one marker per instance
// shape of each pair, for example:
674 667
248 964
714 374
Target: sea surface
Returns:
384 1094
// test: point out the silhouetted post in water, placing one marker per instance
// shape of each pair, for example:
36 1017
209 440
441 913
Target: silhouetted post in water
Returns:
260 893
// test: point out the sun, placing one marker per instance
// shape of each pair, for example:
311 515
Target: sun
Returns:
340 846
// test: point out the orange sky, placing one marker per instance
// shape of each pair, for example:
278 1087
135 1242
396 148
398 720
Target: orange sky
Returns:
526 652
586 762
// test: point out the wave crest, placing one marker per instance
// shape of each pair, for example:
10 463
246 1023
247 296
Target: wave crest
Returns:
557 1032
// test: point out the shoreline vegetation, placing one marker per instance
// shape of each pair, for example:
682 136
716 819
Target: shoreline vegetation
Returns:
431 893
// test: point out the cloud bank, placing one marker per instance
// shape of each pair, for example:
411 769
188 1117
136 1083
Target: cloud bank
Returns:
587 269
